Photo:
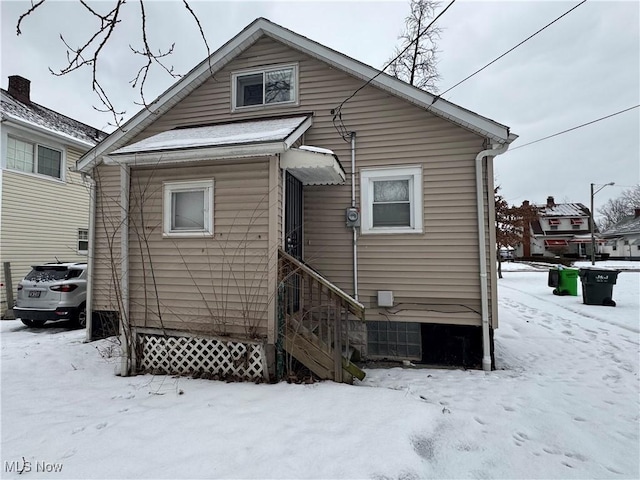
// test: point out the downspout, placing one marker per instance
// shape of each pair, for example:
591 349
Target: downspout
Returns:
482 239
90 255
353 205
125 323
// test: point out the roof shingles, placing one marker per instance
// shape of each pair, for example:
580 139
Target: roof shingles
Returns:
49 120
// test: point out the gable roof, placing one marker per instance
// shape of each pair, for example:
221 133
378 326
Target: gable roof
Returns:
563 210
263 27
45 120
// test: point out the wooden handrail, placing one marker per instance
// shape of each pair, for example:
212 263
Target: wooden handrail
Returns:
354 307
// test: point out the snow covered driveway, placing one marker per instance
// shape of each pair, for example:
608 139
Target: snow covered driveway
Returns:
564 403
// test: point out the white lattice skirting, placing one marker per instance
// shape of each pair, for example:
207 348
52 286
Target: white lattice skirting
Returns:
188 355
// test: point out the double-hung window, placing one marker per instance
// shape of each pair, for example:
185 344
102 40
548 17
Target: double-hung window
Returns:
268 86
391 200
83 241
34 158
188 208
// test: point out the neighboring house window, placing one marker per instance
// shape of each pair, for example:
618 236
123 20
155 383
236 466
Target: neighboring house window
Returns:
391 200
575 227
188 208
267 86
33 158
615 247
83 241
553 227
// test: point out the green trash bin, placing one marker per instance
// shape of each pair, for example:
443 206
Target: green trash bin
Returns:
597 286
565 281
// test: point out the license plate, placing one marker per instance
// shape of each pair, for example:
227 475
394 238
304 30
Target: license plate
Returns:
34 294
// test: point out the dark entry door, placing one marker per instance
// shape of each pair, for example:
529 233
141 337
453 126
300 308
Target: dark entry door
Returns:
293 236
293 217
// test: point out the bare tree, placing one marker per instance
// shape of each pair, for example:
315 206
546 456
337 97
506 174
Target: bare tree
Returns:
417 65
618 208
511 222
88 53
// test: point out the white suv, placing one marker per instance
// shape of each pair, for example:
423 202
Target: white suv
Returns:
51 292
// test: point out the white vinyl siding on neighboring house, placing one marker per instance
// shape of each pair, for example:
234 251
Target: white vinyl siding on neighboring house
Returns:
41 218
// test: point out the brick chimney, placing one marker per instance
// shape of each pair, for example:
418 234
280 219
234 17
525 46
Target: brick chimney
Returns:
636 213
20 88
550 202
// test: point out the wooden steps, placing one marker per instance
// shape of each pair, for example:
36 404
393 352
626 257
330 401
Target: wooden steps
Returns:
316 355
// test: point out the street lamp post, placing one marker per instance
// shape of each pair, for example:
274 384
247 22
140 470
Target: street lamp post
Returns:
593 237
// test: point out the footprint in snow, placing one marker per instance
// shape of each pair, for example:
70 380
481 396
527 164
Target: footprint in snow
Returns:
100 426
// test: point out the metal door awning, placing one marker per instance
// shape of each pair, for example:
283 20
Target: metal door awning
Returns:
313 165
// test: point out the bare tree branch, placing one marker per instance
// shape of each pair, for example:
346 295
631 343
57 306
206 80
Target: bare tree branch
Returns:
88 54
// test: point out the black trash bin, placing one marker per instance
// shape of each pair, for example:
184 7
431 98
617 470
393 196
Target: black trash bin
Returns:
554 278
597 286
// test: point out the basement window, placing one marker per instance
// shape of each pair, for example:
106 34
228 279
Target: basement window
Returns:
188 208
269 86
391 200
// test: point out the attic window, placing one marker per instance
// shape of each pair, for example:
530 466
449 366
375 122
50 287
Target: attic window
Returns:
576 221
269 86
554 221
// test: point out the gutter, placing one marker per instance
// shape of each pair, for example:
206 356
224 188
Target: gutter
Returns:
482 240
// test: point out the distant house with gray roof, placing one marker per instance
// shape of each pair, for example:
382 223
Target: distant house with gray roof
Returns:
560 229
44 214
623 239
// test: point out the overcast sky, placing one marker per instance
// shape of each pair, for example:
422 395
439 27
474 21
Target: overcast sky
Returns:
583 67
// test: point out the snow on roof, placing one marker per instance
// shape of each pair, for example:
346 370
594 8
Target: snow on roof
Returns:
49 120
257 131
630 224
309 148
563 210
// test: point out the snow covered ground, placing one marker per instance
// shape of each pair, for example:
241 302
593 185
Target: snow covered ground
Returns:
563 403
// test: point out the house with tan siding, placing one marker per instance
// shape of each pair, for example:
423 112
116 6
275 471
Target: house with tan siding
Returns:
251 220
44 214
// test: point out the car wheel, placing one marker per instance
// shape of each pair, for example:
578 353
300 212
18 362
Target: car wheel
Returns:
34 323
81 316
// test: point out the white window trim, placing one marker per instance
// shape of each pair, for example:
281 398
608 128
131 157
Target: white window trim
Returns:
80 251
186 186
35 142
263 70
369 176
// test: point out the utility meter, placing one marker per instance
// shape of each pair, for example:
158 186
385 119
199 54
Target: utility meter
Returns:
353 217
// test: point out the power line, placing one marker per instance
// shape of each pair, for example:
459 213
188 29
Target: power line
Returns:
510 50
574 128
337 112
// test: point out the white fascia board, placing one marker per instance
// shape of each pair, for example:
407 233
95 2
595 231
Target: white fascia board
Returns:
197 154
59 137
